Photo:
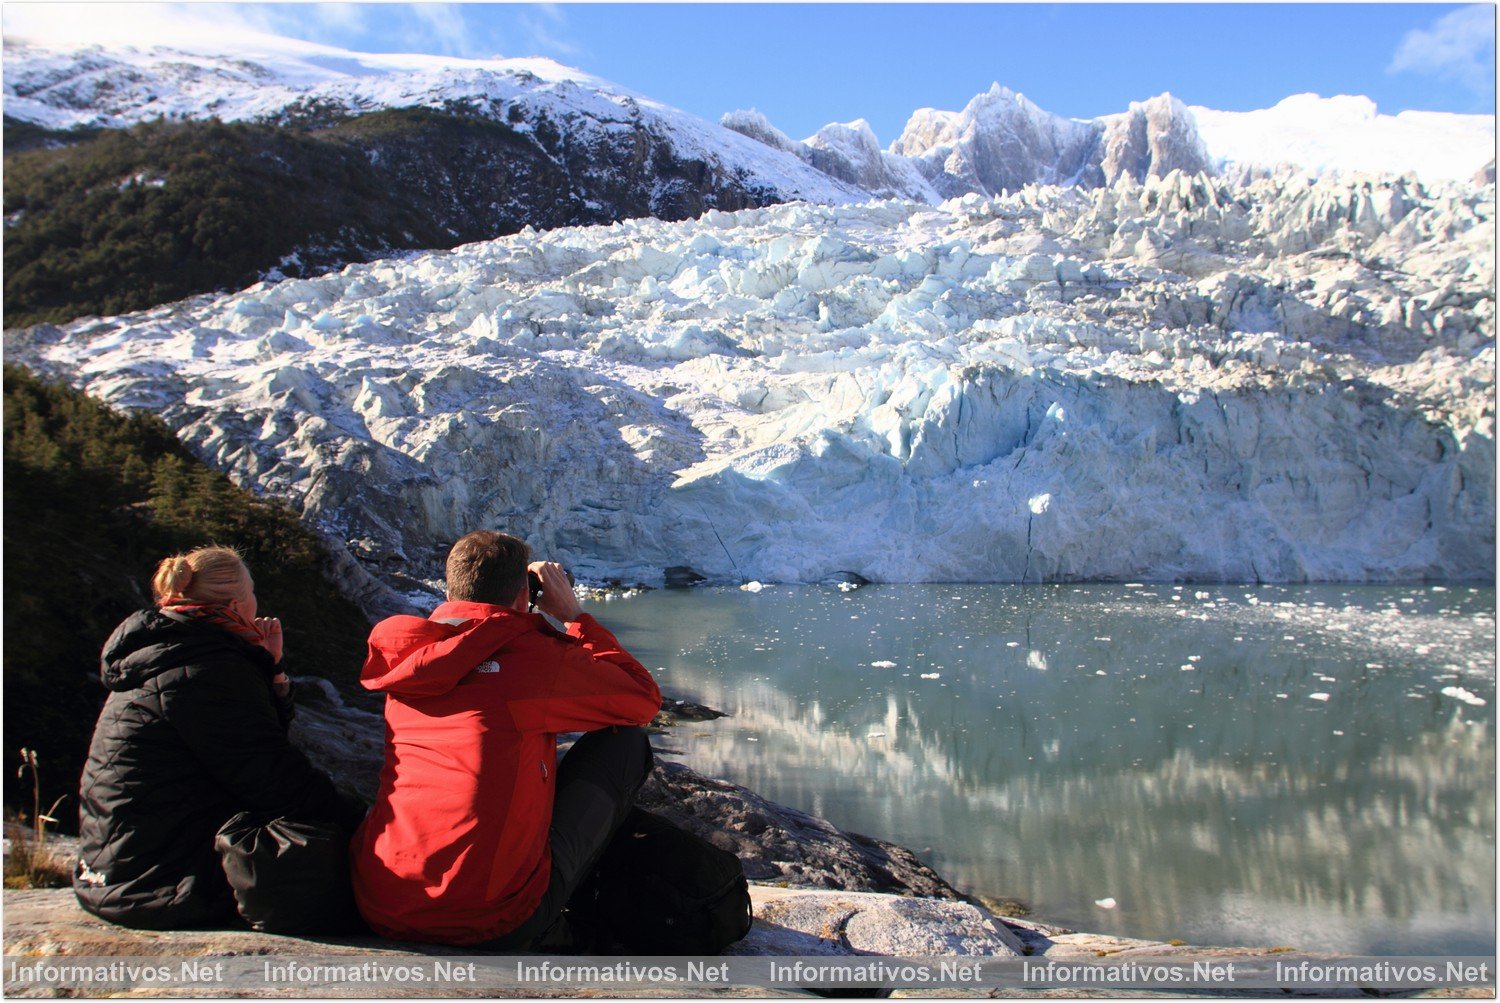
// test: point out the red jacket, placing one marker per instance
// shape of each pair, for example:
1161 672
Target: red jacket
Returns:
455 848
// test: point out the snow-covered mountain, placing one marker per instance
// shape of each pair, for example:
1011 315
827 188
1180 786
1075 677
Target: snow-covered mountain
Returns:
1344 135
329 157
1001 141
998 142
289 81
1189 379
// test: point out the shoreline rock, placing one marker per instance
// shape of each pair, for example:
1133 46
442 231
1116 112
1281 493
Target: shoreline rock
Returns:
784 845
816 890
789 922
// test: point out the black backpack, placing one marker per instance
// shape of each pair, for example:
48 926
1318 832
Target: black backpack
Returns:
658 889
289 876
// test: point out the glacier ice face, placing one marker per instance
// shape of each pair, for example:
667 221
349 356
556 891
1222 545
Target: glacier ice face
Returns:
1185 379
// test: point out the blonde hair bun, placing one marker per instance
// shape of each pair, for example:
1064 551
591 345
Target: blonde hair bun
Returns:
176 574
206 575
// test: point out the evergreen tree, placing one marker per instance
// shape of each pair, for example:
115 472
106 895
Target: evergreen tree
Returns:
93 499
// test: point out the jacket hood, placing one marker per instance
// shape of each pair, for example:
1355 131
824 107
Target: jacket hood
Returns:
414 657
149 643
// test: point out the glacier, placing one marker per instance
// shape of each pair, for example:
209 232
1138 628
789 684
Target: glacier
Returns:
1183 379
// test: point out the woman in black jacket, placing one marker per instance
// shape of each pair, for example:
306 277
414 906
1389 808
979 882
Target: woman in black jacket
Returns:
193 732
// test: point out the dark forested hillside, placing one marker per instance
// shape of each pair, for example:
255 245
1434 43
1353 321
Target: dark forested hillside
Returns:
108 221
93 499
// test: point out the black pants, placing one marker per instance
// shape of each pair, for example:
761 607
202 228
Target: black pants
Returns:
597 782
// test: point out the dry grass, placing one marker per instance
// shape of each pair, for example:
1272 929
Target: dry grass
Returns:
33 863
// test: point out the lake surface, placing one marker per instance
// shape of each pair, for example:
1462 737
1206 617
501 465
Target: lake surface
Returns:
1232 765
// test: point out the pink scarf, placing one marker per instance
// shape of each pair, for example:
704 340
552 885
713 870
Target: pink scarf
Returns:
220 615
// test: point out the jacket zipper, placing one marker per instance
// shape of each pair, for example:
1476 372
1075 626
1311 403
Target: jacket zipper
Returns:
544 772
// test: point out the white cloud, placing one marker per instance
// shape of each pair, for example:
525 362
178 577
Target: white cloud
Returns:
442 28
439 28
445 29
1460 46
546 34
126 23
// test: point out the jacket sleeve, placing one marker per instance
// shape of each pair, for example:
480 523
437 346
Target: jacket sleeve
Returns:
591 682
224 715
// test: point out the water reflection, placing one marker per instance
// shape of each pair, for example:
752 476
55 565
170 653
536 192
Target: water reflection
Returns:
1233 765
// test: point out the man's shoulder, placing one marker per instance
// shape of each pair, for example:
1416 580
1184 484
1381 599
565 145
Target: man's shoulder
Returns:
459 610
466 615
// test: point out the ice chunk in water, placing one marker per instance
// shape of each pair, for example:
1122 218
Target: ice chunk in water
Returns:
1461 694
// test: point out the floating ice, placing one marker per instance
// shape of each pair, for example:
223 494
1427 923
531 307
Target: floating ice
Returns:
751 587
1319 696
1462 695
883 665
932 675
1107 903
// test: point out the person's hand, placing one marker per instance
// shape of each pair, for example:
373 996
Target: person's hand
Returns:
270 632
558 600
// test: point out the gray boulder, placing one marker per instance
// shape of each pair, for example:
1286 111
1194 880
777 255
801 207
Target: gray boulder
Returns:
783 845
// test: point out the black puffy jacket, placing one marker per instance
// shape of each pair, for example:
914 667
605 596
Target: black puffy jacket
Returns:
189 736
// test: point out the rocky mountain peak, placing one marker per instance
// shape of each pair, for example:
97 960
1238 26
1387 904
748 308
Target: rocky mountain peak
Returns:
1152 139
754 124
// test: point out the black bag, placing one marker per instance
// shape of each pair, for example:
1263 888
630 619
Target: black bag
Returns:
658 889
288 876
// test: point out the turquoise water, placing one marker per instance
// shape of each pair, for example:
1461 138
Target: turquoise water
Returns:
1231 765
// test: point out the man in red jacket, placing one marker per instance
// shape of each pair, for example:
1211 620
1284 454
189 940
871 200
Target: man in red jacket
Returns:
478 834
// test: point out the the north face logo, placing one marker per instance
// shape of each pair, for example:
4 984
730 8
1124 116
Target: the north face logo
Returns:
490 666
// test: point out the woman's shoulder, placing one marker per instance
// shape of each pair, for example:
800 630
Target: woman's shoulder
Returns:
150 644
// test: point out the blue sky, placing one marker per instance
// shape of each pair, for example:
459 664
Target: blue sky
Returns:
805 65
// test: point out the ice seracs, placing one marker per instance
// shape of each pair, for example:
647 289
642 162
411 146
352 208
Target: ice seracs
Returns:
1175 379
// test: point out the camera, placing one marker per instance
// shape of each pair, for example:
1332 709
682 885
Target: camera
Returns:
534 584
